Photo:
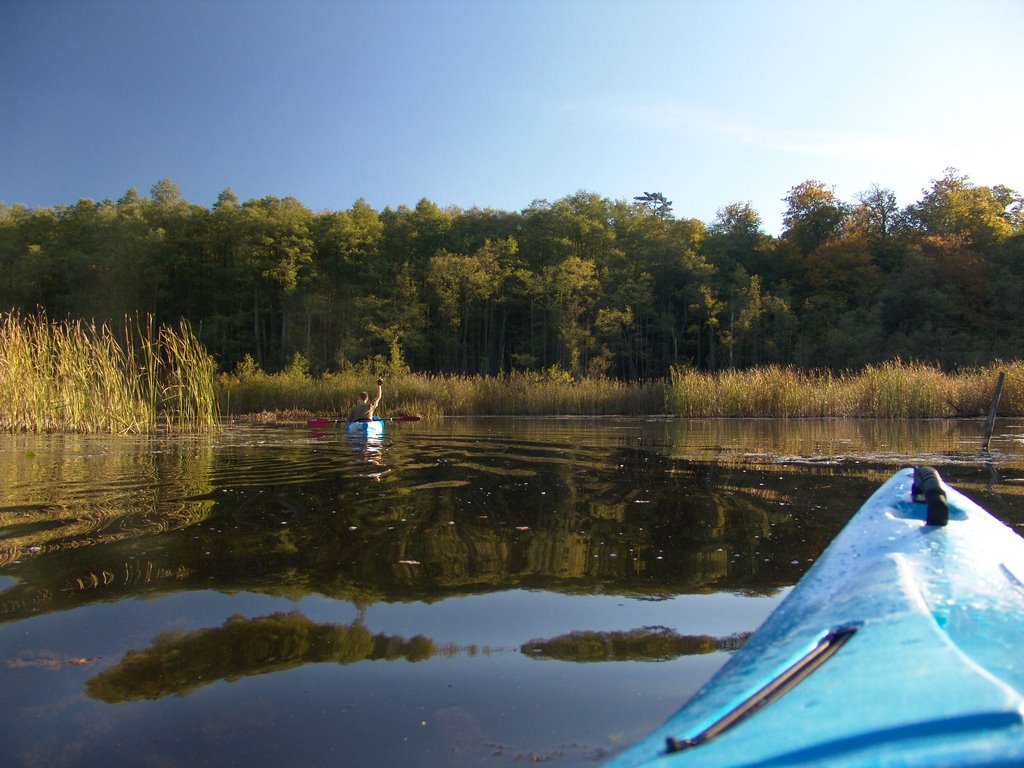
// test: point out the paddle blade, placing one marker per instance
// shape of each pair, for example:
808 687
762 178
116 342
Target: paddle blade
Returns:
318 422
405 417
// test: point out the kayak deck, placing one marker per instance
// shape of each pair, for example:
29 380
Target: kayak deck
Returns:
921 628
372 428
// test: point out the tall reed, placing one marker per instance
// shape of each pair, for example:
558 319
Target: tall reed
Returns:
75 376
891 390
250 390
188 398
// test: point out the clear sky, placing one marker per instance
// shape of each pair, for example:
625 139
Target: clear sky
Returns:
497 103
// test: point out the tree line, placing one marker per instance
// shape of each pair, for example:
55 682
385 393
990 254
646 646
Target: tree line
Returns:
594 286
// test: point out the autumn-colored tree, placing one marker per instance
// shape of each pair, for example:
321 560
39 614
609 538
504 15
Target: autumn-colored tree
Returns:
982 217
813 215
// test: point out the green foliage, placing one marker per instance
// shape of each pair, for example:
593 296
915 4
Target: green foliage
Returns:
656 203
599 287
297 368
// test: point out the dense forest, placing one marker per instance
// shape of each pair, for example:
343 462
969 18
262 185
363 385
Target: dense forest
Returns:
591 285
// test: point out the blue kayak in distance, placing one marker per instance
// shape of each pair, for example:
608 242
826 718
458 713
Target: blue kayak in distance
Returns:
902 645
374 428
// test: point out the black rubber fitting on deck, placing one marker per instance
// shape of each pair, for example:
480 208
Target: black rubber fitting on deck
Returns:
927 489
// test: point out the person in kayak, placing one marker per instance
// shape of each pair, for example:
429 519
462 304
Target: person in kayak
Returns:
363 410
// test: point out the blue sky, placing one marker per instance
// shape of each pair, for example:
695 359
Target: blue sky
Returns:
497 103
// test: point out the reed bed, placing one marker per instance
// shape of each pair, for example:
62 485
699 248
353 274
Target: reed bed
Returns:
249 390
551 393
890 390
75 376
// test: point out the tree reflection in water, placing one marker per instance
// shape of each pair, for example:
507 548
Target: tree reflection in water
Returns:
612 540
649 644
178 663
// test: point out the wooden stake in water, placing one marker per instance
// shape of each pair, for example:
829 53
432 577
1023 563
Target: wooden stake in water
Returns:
992 411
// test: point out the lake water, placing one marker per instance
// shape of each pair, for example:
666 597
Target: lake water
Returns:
462 592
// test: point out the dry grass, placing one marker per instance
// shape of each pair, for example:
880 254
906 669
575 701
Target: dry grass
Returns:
891 390
250 390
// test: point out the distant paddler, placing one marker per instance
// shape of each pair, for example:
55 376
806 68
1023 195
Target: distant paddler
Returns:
363 410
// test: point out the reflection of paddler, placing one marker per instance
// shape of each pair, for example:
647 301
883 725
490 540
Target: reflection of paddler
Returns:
363 410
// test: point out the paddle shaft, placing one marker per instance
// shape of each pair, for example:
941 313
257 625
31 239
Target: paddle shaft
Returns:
323 421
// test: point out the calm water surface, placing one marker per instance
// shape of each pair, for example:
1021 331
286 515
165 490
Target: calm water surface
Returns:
461 593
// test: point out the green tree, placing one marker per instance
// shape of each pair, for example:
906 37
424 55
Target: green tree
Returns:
656 203
348 260
507 300
917 313
844 284
394 323
571 287
707 310
1005 305
224 281
627 305
743 258
761 326
983 217
460 283
28 275
278 253
414 235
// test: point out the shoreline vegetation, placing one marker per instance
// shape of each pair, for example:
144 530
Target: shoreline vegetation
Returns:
891 390
76 376
73 376
607 289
